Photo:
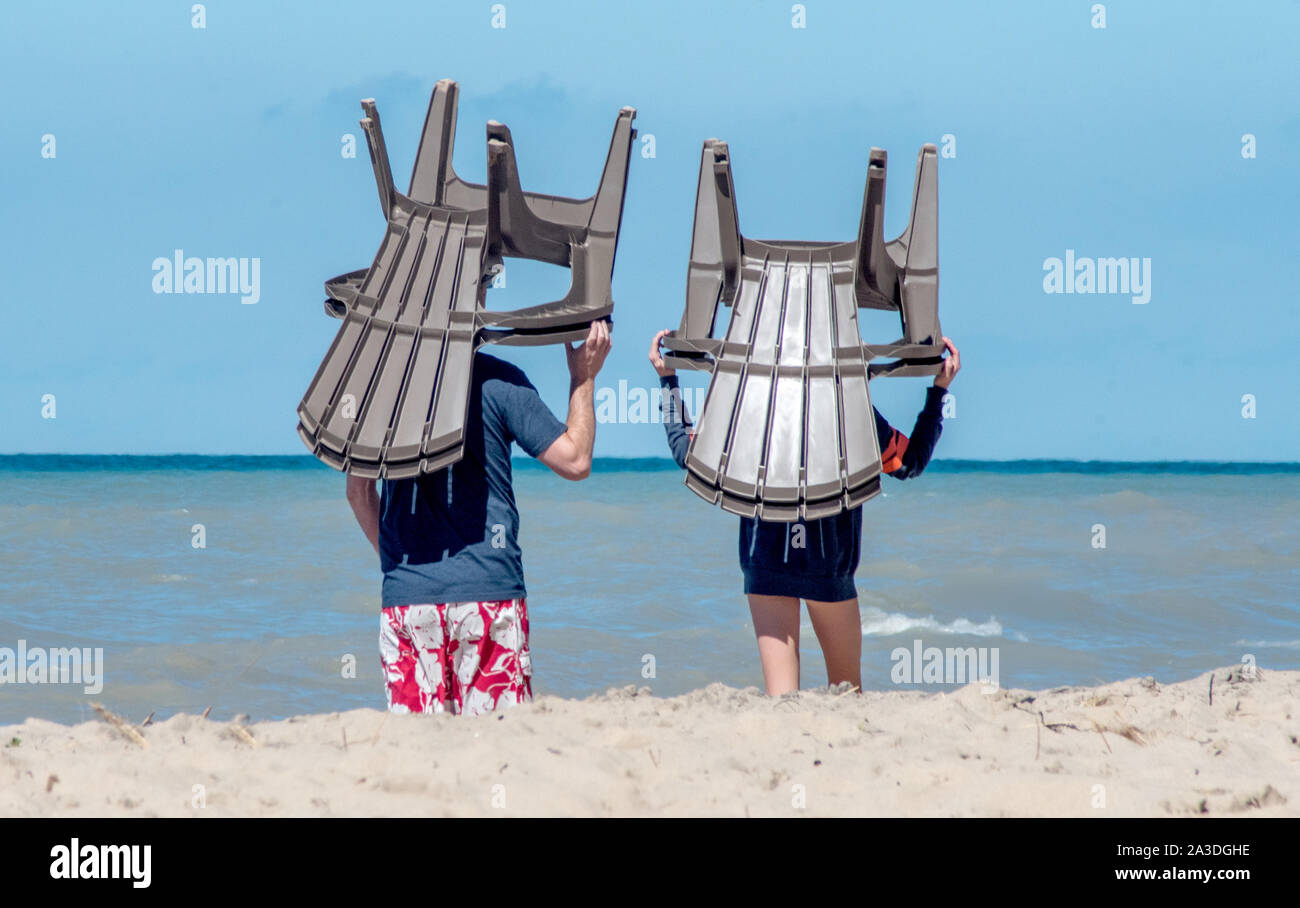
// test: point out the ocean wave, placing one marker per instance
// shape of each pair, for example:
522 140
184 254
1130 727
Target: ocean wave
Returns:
1270 644
879 623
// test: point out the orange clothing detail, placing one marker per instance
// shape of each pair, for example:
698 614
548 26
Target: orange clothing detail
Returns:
892 457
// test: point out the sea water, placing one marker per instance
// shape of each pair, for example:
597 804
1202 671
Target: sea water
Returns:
1073 573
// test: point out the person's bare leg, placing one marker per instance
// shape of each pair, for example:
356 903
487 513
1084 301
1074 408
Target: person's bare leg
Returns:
776 625
838 626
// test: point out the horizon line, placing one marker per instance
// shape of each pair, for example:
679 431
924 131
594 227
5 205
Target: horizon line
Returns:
65 462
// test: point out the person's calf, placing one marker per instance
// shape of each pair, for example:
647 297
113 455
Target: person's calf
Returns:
776 626
838 626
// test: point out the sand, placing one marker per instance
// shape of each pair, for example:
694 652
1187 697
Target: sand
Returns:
1131 748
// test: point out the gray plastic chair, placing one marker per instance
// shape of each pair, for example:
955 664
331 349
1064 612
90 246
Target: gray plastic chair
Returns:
787 430
391 396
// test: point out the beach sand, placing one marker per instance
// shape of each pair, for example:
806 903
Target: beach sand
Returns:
1131 748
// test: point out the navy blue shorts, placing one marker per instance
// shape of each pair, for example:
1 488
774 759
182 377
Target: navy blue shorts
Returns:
815 559
800 586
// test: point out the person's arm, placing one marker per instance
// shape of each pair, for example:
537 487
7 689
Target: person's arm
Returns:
570 454
676 419
365 506
906 457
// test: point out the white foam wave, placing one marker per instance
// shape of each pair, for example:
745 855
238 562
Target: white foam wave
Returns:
879 623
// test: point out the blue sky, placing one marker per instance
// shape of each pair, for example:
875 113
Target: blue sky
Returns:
225 141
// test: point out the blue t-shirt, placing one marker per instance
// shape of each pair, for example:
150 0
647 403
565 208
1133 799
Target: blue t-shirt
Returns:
452 536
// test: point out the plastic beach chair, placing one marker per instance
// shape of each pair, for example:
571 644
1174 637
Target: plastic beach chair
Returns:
787 430
391 395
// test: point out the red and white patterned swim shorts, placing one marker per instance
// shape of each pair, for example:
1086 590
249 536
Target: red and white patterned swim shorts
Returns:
462 657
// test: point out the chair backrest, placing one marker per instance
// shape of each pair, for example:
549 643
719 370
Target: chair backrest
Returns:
787 431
